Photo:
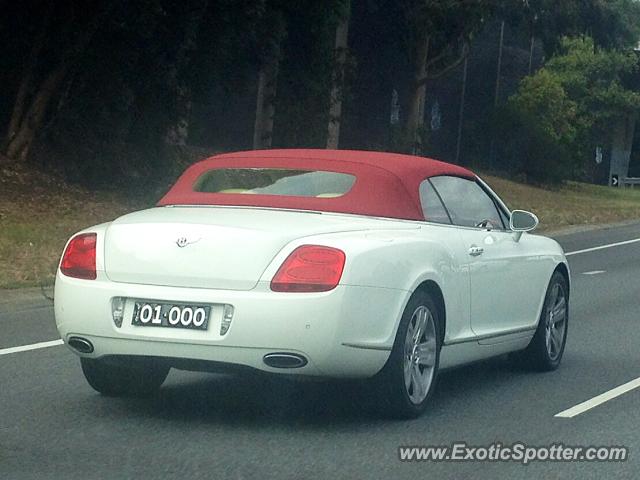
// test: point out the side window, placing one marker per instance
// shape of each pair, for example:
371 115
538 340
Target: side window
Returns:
432 207
467 203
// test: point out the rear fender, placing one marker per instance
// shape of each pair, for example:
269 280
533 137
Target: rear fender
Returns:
401 262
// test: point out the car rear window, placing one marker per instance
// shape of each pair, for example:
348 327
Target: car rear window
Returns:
274 181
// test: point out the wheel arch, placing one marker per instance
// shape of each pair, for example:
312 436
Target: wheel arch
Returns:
432 288
563 269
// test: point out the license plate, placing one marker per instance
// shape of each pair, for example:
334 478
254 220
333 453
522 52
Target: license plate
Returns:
171 315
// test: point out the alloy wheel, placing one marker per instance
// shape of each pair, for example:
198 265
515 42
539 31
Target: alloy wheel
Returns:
556 324
420 353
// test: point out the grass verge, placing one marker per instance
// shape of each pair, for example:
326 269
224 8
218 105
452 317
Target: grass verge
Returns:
38 213
573 204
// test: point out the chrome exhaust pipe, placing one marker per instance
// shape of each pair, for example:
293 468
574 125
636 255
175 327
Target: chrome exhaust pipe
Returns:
80 345
284 360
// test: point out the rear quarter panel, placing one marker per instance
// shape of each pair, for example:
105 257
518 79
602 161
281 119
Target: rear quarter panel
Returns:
396 263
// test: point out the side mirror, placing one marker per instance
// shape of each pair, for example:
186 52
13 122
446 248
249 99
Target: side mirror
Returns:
522 221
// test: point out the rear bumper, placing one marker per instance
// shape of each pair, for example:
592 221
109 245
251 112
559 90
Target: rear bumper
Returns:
347 332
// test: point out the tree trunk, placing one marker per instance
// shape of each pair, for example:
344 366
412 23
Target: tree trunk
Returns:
274 31
20 103
337 90
499 74
265 105
258 125
178 131
531 47
415 113
17 114
463 94
19 145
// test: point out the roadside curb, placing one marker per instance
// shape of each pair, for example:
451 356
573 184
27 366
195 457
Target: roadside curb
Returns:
561 232
26 295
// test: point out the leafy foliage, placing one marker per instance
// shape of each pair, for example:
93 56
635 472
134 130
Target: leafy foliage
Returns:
568 107
597 79
613 24
151 64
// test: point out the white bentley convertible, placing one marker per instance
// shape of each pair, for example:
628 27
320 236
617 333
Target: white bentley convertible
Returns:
314 262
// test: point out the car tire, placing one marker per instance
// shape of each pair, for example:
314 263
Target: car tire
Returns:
546 348
407 381
124 377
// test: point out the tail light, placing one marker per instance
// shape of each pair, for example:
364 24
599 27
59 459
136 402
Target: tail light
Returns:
79 258
310 268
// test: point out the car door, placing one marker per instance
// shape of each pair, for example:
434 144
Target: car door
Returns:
502 300
454 271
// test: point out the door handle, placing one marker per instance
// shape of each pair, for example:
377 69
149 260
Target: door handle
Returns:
474 250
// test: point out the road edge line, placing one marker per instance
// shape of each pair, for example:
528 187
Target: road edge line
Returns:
33 346
599 399
602 247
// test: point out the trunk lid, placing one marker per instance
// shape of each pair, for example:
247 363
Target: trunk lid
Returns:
212 247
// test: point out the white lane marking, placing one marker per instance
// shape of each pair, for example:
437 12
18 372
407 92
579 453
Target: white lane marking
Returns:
594 272
33 346
602 247
599 400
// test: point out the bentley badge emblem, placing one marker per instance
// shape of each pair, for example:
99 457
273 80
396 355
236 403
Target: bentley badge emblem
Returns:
184 241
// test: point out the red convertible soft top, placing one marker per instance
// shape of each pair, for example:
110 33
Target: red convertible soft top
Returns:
386 185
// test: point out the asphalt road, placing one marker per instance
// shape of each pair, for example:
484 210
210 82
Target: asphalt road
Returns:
52 425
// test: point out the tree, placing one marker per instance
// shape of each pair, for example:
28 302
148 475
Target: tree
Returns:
36 93
126 102
337 89
539 124
272 32
595 78
610 23
306 71
178 130
574 103
543 98
26 82
438 33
